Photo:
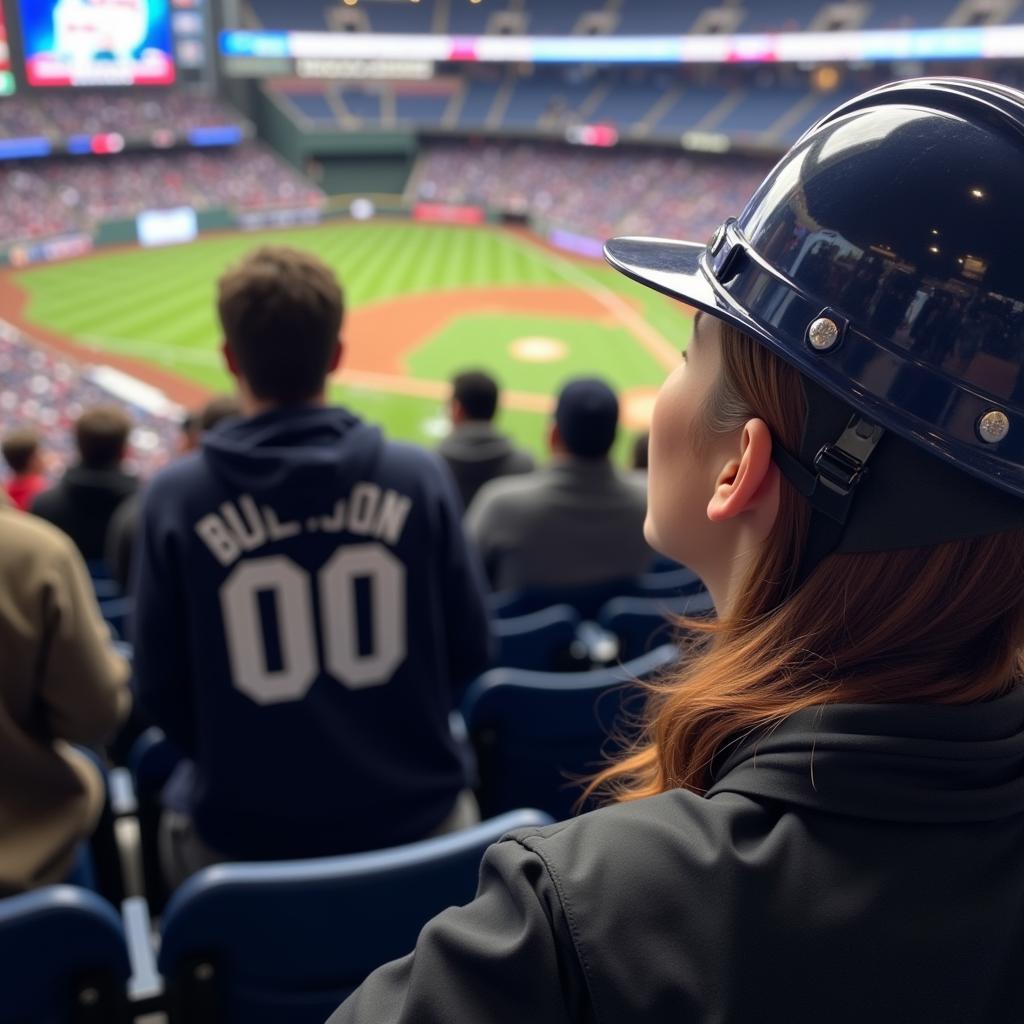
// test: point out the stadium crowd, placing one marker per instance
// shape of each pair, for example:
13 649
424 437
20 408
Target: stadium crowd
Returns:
46 393
593 193
129 113
814 811
62 195
524 530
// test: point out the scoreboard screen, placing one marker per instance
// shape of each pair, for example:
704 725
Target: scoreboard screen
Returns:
6 78
97 42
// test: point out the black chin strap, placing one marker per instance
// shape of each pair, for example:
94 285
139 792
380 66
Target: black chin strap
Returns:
831 486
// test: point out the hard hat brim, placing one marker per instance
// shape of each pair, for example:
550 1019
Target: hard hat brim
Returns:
669 266
676 269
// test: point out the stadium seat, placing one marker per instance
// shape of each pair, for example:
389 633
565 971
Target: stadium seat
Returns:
65 958
586 599
110 861
115 611
288 941
534 732
643 623
541 641
152 759
667 583
589 599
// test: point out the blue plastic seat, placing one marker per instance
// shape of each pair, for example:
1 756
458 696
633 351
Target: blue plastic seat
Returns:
666 583
587 600
115 610
288 941
541 640
534 732
65 958
642 623
152 761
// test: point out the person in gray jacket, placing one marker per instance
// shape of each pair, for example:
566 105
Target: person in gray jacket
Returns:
474 450
576 522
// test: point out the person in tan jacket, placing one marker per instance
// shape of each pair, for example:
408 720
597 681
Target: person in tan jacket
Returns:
61 682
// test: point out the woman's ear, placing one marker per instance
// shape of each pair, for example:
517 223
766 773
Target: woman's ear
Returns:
747 484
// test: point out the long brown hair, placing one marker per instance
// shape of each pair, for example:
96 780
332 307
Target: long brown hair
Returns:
941 624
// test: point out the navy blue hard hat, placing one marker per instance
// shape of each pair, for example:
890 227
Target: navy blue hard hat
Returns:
882 258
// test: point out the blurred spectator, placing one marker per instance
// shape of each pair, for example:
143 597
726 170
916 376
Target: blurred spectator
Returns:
51 197
641 446
576 522
191 432
124 524
474 450
46 392
84 501
60 683
312 724
23 457
132 113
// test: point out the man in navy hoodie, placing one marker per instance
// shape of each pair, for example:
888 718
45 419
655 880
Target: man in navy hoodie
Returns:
307 610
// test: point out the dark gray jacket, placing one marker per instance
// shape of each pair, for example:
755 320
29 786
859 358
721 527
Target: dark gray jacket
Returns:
476 452
573 523
861 864
83 502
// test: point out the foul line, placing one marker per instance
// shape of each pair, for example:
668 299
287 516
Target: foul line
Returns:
650 337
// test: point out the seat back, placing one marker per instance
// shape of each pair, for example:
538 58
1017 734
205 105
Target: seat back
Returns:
588 599
541 640
585 599
642 623
152 761
64 958
288 941
667 583
533 732
116 610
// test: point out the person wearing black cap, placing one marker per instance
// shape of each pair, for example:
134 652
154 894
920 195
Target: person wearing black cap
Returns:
823 819
579 520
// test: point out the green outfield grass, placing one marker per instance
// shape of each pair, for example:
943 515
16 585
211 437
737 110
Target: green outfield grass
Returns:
158 305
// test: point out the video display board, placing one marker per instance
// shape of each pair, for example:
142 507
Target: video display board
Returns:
6 78
97 42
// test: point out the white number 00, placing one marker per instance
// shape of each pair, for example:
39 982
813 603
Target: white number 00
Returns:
289 583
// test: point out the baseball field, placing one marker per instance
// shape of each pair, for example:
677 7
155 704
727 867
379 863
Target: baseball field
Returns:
424 301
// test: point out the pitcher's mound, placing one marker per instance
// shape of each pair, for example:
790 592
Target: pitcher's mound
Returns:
538 350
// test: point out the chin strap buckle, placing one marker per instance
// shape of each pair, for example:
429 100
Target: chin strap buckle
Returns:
841 465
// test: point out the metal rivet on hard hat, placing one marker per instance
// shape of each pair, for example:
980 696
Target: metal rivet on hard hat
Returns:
715 245
823 334
993 426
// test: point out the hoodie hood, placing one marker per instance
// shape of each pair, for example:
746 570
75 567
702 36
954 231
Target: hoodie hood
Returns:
296 448
890 762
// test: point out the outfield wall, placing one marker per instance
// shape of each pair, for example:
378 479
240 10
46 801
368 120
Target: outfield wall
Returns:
126 231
